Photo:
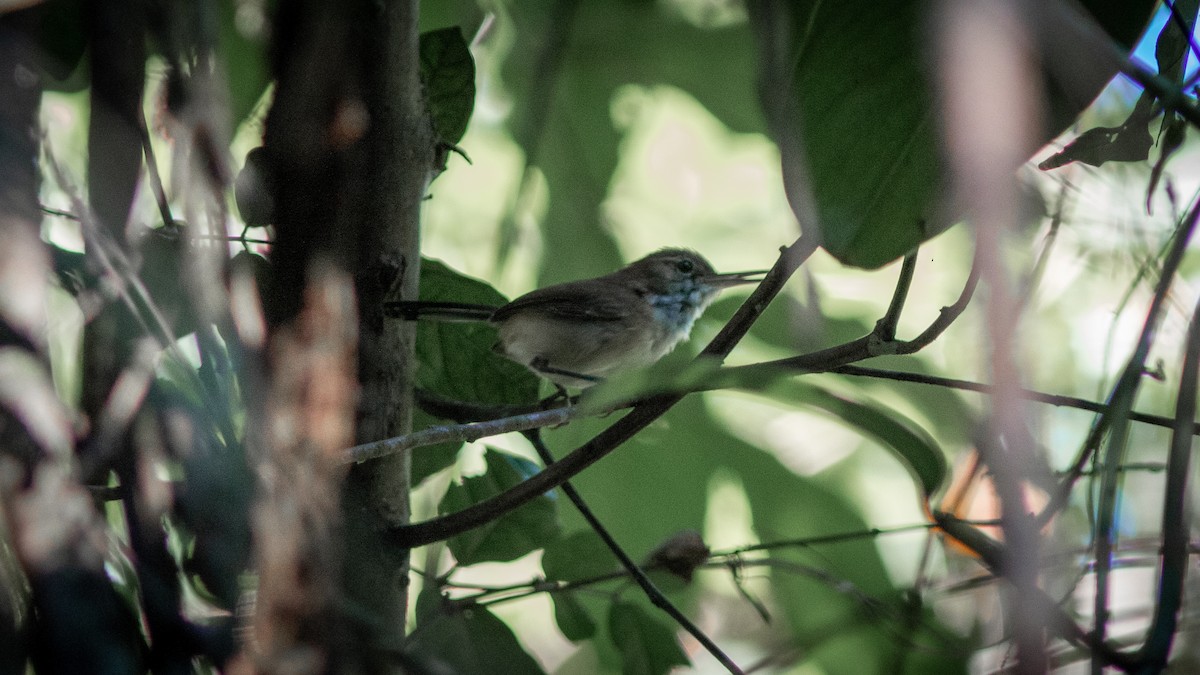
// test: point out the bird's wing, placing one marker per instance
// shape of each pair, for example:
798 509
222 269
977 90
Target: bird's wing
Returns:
573 301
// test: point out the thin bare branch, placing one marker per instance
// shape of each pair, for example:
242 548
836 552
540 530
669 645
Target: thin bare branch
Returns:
1028 394
471 431
885 328
655 596
1059 622
156 182
1117 419
1176 517
946 317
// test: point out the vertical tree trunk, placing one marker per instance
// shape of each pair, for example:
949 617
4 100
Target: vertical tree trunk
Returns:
311 139
401 157
351 147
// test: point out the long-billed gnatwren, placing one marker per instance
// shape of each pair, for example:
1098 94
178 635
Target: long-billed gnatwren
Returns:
580 332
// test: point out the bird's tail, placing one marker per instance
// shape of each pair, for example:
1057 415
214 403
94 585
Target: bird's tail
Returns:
411 310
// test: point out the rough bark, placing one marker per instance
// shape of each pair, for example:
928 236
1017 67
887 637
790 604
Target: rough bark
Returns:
350 146
376 495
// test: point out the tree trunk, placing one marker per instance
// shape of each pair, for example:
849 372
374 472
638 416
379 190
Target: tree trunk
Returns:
351 147
401 142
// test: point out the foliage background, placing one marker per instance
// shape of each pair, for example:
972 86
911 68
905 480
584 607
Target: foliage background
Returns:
644 129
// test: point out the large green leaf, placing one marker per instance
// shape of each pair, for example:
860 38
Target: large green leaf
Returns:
867 126
848 607
579 555
62 42
651 487
911 445
647 644
915 448
448 72
467 14
658 483
866 118
470 641
572 617
512 535
456 360
564 69
243 48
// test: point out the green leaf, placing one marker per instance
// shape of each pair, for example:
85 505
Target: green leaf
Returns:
1129 142
567 130
472 641
448 72
62 42
431 459
244 53
572 618
579 555
668 470
456 360
947 414
1172 46
647 645
467 14
252 189
875 175
911 445
428 607
866 120
915 448
512 535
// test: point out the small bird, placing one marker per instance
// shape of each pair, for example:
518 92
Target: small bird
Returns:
579 332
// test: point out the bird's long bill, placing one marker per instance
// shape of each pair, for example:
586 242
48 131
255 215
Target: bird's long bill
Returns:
734 278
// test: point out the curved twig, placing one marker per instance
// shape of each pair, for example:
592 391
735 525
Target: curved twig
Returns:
1028 394
885 328
1121 402
470 431
1176 520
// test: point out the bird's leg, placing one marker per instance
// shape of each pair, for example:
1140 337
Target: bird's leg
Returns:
552 401
541 365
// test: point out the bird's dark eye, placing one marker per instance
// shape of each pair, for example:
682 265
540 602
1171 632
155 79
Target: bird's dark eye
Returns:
685 266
